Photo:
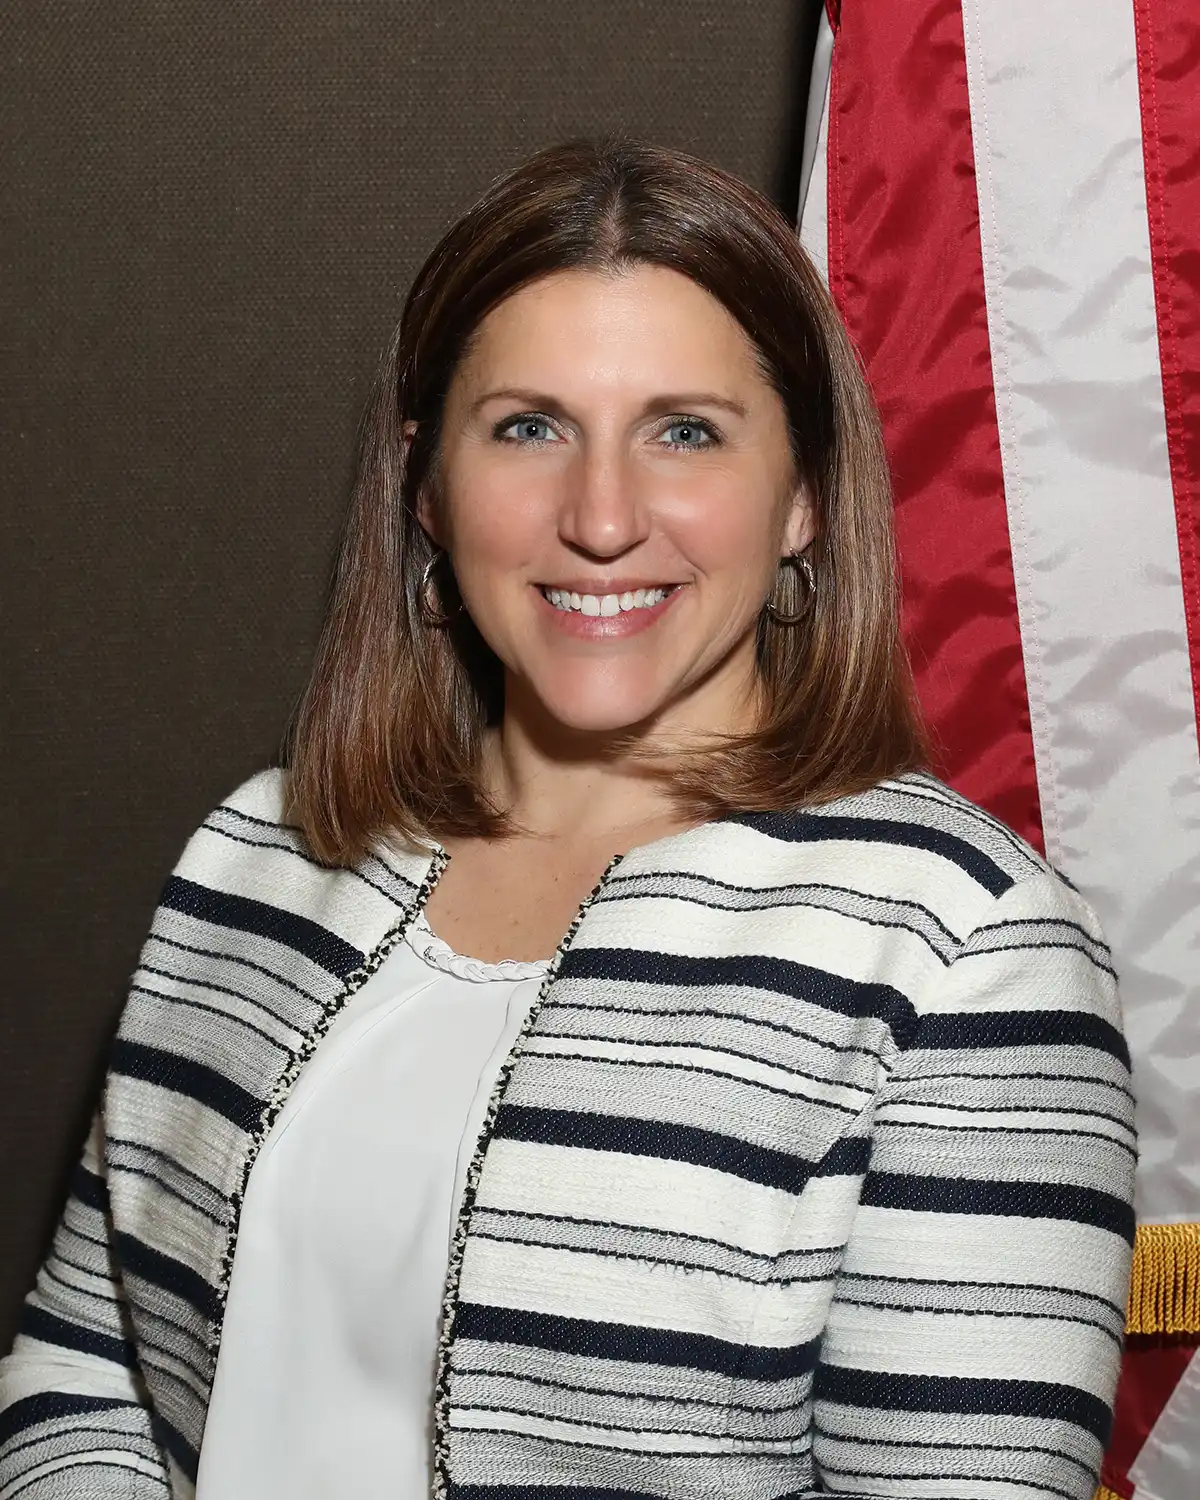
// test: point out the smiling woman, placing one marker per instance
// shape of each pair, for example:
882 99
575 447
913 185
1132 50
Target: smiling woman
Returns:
602 1065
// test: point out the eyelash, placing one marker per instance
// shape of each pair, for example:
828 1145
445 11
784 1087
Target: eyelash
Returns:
697 422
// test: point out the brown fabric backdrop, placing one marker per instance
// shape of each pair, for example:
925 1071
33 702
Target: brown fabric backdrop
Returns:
211 217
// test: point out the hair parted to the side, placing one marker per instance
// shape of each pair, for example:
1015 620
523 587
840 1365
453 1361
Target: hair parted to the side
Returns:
386 740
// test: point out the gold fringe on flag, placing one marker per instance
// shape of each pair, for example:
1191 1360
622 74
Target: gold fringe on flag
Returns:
1164 1294
1104 1493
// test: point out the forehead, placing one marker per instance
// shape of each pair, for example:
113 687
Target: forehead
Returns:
645 324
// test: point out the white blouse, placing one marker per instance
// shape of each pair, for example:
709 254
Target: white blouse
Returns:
324 1381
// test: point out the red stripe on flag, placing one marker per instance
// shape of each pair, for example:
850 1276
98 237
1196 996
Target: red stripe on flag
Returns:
1168 41
906 270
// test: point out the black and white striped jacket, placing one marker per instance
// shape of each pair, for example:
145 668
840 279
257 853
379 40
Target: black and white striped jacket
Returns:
811 1171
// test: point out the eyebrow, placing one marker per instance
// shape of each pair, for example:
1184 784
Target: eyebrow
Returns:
673 401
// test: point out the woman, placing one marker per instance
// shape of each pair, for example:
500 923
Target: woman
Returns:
604 1064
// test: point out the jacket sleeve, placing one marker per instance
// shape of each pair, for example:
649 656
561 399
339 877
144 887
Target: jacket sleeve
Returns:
975 1335
74 1416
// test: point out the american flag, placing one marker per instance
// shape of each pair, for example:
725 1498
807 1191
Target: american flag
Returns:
1005 197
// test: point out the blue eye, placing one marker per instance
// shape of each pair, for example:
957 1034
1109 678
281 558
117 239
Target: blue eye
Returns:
529 430
690 428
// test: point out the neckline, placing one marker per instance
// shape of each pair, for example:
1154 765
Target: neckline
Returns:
432 849
440 955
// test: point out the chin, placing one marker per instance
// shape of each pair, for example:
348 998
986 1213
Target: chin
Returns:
602 712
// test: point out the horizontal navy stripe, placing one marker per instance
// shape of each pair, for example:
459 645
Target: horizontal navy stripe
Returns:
48 1328
52 1406
700 1148
957 1393
1027 1200
184 1076
804 828
640 1345
90 1190
780 976
246 915
848 1158
1021 1028
143 1261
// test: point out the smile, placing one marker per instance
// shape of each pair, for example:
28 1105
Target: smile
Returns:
606 604
604 619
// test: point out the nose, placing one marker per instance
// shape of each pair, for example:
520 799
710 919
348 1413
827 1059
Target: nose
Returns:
602 510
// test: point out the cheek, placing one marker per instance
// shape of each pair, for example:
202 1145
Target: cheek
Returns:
495 518
727 527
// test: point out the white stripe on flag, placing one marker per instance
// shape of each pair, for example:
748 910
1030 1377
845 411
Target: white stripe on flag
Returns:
1057 131
813 212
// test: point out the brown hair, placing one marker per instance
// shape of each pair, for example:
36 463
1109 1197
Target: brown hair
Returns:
388 734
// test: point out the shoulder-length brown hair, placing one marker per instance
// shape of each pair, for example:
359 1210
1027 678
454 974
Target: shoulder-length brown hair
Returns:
387 737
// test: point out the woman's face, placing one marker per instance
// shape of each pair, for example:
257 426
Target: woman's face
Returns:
608 435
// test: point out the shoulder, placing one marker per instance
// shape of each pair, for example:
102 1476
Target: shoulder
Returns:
242 832
263 796
1007 875
918 812
918 834
247 861
922 848
1026 939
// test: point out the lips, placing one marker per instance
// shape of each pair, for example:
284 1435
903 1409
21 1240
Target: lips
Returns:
599 624
607 604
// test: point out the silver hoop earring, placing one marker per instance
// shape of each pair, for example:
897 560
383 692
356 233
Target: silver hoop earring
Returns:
802 564
431 615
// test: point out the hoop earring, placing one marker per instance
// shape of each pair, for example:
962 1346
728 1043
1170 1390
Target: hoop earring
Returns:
430 613
804 569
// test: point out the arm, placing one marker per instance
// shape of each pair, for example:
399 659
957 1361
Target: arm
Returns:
74 1419
974 1340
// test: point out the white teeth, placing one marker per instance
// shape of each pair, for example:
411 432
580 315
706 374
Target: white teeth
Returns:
605 604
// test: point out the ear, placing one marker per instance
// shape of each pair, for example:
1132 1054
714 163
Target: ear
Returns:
424 507
801 525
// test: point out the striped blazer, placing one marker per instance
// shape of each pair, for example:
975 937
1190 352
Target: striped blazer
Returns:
811 1170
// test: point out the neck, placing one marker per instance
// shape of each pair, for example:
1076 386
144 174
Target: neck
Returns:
556 782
